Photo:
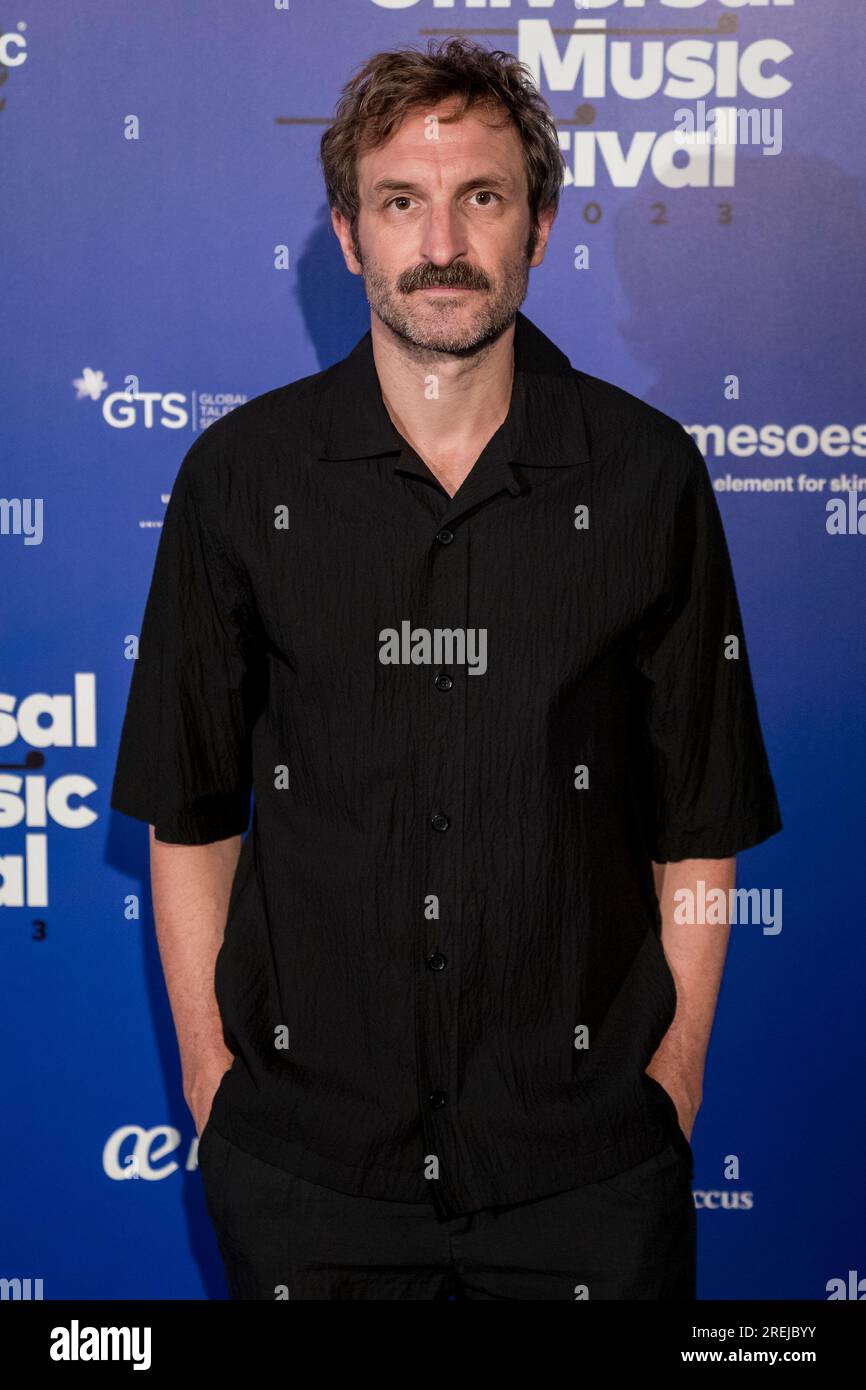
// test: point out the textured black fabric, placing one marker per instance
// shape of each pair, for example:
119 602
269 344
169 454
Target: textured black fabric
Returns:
433 897
283 1238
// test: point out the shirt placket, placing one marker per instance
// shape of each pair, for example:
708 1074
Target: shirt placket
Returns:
445 939
442 936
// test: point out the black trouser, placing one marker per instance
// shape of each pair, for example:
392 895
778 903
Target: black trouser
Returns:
630 1236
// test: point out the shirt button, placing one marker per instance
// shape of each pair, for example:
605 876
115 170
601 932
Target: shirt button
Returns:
437 961
438 1099
443 681
445 537
439 822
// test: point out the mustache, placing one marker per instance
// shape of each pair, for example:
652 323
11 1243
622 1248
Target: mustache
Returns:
453 277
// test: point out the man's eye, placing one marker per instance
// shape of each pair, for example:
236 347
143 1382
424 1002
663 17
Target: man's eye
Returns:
482 193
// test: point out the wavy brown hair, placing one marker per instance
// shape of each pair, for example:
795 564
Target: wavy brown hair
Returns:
389 85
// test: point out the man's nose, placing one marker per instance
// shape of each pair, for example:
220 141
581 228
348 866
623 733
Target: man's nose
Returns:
443 238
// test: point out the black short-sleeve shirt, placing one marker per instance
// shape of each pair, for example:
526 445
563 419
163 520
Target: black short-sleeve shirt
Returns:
468 725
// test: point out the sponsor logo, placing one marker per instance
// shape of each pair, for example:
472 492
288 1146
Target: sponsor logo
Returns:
133 1152
726 1201
170 410
28 797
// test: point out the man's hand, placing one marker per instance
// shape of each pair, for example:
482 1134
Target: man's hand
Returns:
682 1092
202 1088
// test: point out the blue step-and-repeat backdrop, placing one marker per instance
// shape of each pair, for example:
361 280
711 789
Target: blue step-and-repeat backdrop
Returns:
166 255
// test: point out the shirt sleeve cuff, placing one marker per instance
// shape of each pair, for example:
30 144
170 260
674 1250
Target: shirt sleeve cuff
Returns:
717 841
212 819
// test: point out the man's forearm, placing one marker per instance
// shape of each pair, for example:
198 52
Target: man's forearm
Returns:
696 954
191 887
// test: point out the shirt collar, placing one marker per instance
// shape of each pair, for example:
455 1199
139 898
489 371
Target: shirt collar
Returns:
544 428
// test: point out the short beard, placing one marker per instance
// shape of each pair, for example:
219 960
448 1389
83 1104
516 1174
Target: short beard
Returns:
388 301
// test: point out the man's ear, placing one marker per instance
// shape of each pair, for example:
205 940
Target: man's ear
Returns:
546 218
343 231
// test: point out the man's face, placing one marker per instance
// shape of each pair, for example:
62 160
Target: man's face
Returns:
443 238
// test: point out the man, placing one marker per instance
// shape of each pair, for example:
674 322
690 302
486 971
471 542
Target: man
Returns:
462 618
